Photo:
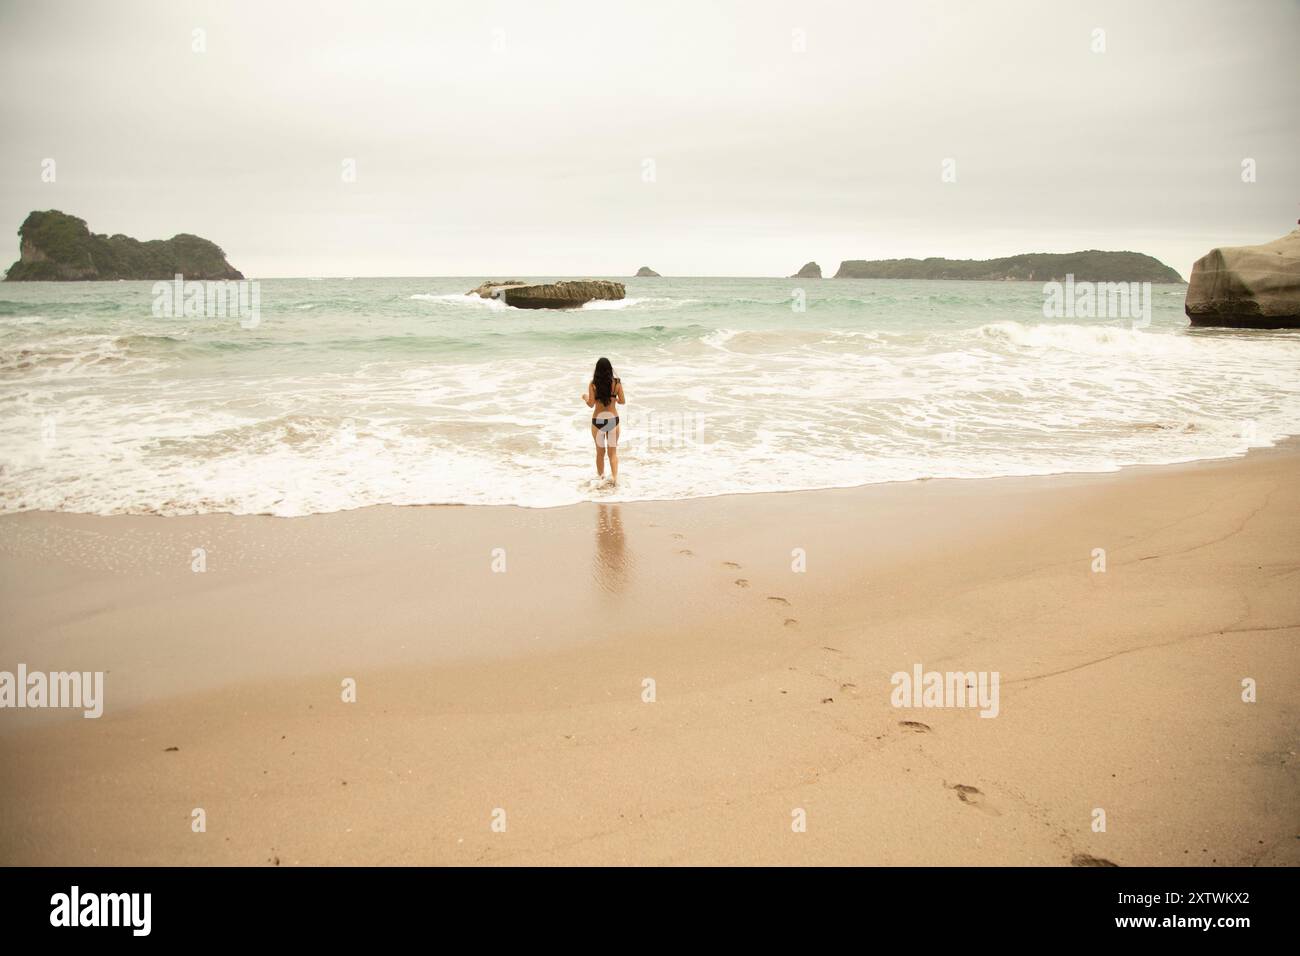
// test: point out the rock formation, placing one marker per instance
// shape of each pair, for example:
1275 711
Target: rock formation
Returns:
56 246
811 270
1248 287
568 294
645 272
1089 266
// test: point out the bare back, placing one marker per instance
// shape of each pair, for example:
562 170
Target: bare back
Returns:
614 401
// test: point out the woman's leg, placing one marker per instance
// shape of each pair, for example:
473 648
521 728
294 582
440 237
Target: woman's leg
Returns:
600 452
613 454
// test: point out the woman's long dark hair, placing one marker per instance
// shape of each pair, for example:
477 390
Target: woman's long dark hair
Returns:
603 379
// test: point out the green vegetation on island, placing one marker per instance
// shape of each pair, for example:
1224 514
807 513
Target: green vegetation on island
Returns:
57 247
1090 266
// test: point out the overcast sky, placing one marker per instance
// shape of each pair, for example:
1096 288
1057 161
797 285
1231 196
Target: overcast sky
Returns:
518 137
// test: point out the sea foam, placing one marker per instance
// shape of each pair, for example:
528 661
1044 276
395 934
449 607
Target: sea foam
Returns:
410 392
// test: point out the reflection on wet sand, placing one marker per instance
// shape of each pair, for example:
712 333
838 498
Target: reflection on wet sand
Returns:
611 563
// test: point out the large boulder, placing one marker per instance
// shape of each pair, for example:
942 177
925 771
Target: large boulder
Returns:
569 294
1248 287
811 270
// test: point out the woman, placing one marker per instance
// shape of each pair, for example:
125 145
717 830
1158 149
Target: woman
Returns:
604 395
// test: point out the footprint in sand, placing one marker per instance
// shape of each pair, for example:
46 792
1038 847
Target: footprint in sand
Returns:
791 622
731 564
915 726
741 583
967 794
688 552
974 797
679 536
1083 859
779 600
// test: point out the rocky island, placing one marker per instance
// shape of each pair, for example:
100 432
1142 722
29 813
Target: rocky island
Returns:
569 294
58 247
645 272
1247 287
810 270
1089 266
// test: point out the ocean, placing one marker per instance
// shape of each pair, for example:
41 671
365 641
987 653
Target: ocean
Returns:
355 392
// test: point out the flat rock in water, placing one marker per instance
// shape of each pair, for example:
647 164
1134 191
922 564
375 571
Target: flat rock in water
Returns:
569 294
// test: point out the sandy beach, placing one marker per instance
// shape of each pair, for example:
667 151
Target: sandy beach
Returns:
501 657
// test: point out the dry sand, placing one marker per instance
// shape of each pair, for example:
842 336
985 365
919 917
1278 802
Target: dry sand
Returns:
522 690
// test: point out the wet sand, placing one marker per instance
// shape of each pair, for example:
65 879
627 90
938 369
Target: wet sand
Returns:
501 659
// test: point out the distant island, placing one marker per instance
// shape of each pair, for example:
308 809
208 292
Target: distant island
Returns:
810 270
645 272
57 247
1089 266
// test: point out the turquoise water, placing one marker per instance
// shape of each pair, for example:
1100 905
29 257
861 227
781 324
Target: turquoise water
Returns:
405 391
